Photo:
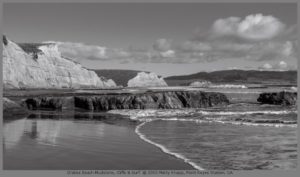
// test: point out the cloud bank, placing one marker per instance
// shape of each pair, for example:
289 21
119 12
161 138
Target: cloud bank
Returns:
256 37
252 27
81 51
281 66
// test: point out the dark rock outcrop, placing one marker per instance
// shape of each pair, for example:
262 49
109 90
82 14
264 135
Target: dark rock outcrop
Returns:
44 103
279 98
4 39
147 100
9 104
49 103
12 110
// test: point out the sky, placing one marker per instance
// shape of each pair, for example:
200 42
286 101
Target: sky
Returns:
165 38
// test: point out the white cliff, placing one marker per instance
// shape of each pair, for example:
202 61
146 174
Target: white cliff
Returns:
294 89
146 80
45 69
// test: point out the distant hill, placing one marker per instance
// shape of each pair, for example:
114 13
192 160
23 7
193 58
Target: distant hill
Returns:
237 76
121 77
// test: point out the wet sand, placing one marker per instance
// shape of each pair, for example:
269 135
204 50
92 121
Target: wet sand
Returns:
72 144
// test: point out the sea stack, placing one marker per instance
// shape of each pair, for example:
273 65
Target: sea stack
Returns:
279 98
147 80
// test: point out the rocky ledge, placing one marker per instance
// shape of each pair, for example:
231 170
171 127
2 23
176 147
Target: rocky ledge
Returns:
13 110
147 100
278 98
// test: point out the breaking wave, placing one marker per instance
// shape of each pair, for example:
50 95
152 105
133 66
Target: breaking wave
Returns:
210 116
137 114
164 149
294 89
270 123
228 86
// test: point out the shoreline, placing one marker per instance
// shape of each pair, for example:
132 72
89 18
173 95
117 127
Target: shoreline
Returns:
136 153
121 147
164 149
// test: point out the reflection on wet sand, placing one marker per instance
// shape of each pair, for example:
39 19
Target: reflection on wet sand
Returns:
13 131
62 141
45 129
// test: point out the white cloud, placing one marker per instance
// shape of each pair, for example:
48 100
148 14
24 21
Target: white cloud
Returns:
232 68
227 26
118 53
162 45
272 50
269 50
287 48
168 54
79 51
195 46
260 27
253 27
162 52
251 38
231 46
256 37
282 65
267 66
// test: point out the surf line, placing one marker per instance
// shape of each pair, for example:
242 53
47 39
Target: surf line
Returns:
164 149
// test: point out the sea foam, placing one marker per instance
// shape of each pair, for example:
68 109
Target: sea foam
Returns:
200 116
228 86
149 115
164 149
222 121
256 124
137 114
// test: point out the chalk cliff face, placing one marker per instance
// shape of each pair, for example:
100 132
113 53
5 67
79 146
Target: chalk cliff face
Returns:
43 66
146 80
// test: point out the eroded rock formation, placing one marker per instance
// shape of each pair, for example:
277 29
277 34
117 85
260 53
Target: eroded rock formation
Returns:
12 110
43 66
146 80
279 98
147 100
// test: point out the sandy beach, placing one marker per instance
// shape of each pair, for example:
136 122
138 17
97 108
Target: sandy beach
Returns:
46 144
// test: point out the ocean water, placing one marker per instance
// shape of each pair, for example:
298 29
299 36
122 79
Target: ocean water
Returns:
242 136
